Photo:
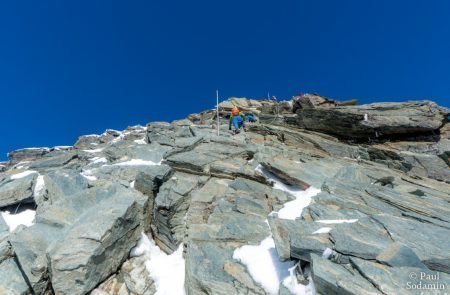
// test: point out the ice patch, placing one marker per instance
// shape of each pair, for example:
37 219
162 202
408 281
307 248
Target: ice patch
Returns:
167 271
132 183
137 162
23 174
330 221
322 230
263 264
25 217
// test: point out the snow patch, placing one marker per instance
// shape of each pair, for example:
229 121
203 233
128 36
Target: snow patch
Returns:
96 160
88 175
23 174
39 186
263 264
330 221
167 271
140 141
322 230
293 209
137 162
93 151
25 217
296 288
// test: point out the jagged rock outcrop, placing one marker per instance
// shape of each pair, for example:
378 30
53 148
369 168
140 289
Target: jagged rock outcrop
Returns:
314 208
375 120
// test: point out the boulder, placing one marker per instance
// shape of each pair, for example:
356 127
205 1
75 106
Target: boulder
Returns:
17 188
100 241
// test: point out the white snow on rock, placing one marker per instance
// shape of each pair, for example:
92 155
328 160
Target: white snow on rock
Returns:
292 209
263 264
262 261
96 160
140 141
88 174
62 147
39 186
298 289
322 230
266 269
93 151
23 174
167 271
331 221
25 217
137 162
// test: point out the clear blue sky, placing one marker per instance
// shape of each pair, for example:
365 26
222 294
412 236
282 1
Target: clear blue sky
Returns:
69 68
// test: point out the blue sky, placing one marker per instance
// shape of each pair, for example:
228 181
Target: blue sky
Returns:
69 68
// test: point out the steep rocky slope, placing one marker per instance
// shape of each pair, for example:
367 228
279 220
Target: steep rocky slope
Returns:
335 200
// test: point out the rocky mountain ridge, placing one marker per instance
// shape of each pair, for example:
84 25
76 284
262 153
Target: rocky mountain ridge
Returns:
334 199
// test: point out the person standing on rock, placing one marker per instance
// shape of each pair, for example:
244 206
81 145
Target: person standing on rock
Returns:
237 120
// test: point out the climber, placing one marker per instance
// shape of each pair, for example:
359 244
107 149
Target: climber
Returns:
237 119
250 117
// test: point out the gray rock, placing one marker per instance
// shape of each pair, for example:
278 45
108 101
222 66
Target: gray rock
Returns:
427 205
148 183
400 280
332 278
6 251
27 154
99 243
296 239
365 238
133 278
125 151
56 159
87 141
59 185
13 191
415 235
30 246
383 119
204 268
11 279
398 255
428 166
170 207
192 162
4 229
303 175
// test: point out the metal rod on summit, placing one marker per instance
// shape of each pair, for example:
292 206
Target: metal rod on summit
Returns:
217 112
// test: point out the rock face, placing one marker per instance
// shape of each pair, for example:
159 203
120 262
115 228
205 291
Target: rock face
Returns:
375 120
321 213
